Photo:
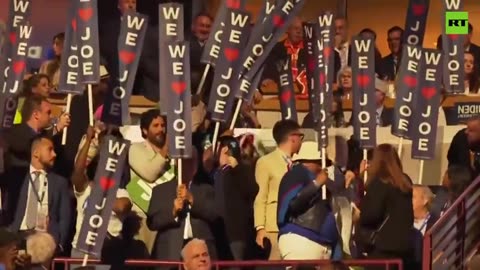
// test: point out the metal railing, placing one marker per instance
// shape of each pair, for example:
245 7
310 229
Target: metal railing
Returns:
455 237
388 264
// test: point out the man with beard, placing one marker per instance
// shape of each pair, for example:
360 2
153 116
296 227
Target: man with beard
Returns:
44 202
149 168
465 147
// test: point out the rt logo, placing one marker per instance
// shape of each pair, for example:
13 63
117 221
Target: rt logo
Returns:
456 22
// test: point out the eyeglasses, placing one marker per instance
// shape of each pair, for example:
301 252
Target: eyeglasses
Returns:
301 135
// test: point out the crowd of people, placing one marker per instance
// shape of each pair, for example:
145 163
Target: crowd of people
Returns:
235 202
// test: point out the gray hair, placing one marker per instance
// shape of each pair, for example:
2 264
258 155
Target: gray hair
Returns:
41 246
343 70
194 241
427 193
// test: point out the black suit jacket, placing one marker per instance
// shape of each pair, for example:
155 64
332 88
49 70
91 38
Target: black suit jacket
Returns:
387 117
388 67
169 240
18 140
59 207
239 190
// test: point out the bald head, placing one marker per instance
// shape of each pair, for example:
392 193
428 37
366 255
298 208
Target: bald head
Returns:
43 153
295 31
195 255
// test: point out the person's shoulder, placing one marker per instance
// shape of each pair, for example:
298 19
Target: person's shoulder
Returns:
57 179
138 146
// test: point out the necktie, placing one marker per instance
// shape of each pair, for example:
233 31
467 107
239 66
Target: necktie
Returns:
378 118
343 55
32 207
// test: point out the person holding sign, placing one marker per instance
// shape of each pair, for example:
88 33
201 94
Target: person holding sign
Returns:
308 230
180 213
82 180
36 114
149 167
43 202
235 191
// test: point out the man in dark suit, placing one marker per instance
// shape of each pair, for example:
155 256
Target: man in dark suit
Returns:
391 62
189 215
36 112
201 29
43 202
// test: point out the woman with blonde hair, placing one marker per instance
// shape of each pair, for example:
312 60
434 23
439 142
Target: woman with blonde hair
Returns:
386 213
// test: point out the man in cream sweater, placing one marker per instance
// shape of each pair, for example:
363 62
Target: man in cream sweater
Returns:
268 174
149 167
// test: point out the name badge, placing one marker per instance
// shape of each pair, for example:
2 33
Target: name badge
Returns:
42 219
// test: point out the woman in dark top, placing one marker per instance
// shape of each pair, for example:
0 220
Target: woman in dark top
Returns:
388 202
235 191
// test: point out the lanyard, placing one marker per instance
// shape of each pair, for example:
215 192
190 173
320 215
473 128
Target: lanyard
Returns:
424 223
37 192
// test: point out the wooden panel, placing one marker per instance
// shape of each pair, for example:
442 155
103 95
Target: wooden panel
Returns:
272 103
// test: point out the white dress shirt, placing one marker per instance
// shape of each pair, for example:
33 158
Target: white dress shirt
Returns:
42 193
343 52
379 115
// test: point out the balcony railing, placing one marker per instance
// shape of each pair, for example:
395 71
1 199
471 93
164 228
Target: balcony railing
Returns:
388 264
455 237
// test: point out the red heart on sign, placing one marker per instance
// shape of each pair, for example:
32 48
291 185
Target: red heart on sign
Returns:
231 54
179 87
85 13
453 37
13 38
326 52
18 67
286 96
74 25
106 183
428 92
234 4
278 21
410 81
363 80
321 78
418 9
126 57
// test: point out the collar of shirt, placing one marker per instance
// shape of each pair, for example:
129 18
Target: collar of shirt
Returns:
289 44
33 170
33 130
379 110
342 46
